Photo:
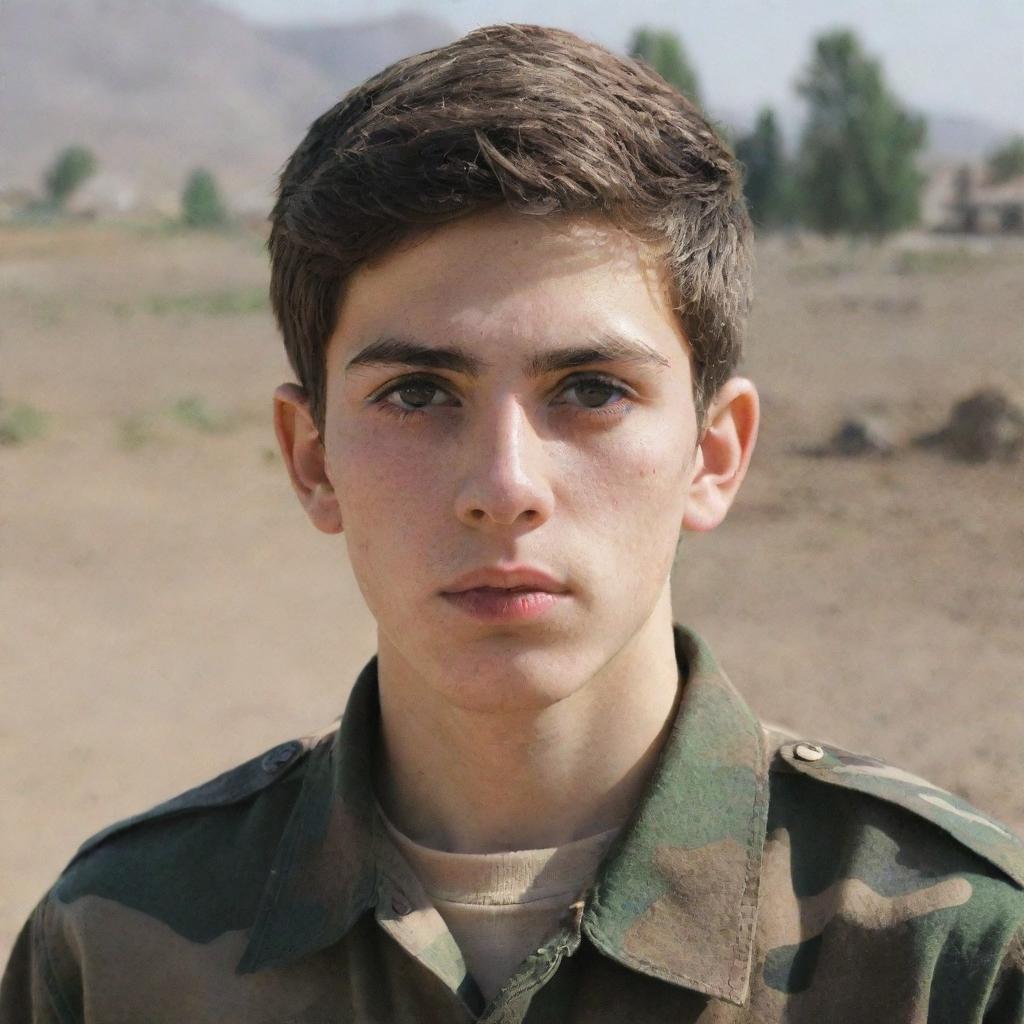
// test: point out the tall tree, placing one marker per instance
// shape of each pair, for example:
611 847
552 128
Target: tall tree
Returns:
73 166
858 171
664 51
1007 161
766 179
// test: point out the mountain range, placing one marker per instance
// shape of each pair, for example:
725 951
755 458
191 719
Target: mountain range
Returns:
158 87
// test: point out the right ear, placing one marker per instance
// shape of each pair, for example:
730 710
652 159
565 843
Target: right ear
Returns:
303 454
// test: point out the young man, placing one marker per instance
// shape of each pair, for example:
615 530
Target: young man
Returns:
511 275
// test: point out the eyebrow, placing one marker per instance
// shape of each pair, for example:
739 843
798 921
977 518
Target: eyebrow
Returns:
607 347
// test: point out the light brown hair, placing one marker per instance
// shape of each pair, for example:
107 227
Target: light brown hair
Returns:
531 117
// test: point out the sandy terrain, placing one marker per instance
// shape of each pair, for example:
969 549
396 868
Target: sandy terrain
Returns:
167 611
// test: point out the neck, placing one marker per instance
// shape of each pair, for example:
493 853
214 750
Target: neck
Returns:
472 782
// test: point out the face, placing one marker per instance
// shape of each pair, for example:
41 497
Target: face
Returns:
508 390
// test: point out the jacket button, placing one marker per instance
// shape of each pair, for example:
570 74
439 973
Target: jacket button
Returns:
274 760
401 906
808 752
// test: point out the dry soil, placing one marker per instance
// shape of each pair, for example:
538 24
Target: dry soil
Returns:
167 611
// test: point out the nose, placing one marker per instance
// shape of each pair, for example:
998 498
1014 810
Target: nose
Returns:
504 480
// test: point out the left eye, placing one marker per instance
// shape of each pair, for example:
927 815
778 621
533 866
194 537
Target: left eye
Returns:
593 392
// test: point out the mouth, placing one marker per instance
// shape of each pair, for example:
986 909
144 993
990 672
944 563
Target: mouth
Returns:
507 579
505 604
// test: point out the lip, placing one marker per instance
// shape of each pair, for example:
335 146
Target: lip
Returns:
505 606
505 578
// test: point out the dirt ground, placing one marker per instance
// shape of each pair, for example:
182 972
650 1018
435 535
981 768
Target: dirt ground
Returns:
167 611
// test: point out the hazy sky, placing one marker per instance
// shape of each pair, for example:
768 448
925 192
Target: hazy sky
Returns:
949 56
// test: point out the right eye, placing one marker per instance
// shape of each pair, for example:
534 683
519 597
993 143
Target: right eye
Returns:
412 393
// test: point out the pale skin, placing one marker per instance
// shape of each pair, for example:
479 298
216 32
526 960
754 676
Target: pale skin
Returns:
521 735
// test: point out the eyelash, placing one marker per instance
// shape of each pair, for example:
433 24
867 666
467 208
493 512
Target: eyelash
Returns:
570 382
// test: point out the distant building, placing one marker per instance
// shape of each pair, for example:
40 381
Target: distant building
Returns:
970 204
104 195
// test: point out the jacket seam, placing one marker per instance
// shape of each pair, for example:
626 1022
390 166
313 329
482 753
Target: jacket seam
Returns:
58 1000
277 883
748 909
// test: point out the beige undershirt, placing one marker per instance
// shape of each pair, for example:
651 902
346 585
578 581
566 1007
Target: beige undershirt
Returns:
501 907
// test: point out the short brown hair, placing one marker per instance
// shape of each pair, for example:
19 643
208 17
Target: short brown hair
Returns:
531 117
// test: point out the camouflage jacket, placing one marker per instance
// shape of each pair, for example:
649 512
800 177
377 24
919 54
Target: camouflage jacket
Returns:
762 878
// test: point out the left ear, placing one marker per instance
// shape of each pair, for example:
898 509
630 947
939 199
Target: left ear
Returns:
723 454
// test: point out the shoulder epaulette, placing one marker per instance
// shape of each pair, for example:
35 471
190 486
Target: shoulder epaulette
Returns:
835 766
229 787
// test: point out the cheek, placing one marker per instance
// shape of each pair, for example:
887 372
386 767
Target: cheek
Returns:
378 469
645 501
388 495
641 479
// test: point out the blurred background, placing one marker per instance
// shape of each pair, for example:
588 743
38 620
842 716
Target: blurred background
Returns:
166 610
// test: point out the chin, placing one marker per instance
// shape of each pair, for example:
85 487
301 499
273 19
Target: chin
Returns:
526 681
498 697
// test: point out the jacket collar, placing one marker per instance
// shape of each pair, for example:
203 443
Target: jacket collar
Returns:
677 895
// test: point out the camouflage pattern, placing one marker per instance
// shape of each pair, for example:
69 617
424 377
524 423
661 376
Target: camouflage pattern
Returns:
761 879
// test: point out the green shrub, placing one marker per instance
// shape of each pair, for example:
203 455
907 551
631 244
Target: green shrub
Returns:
21 423
194 412
134 432
201 203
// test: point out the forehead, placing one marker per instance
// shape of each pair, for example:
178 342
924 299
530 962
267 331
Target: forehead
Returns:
501 279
